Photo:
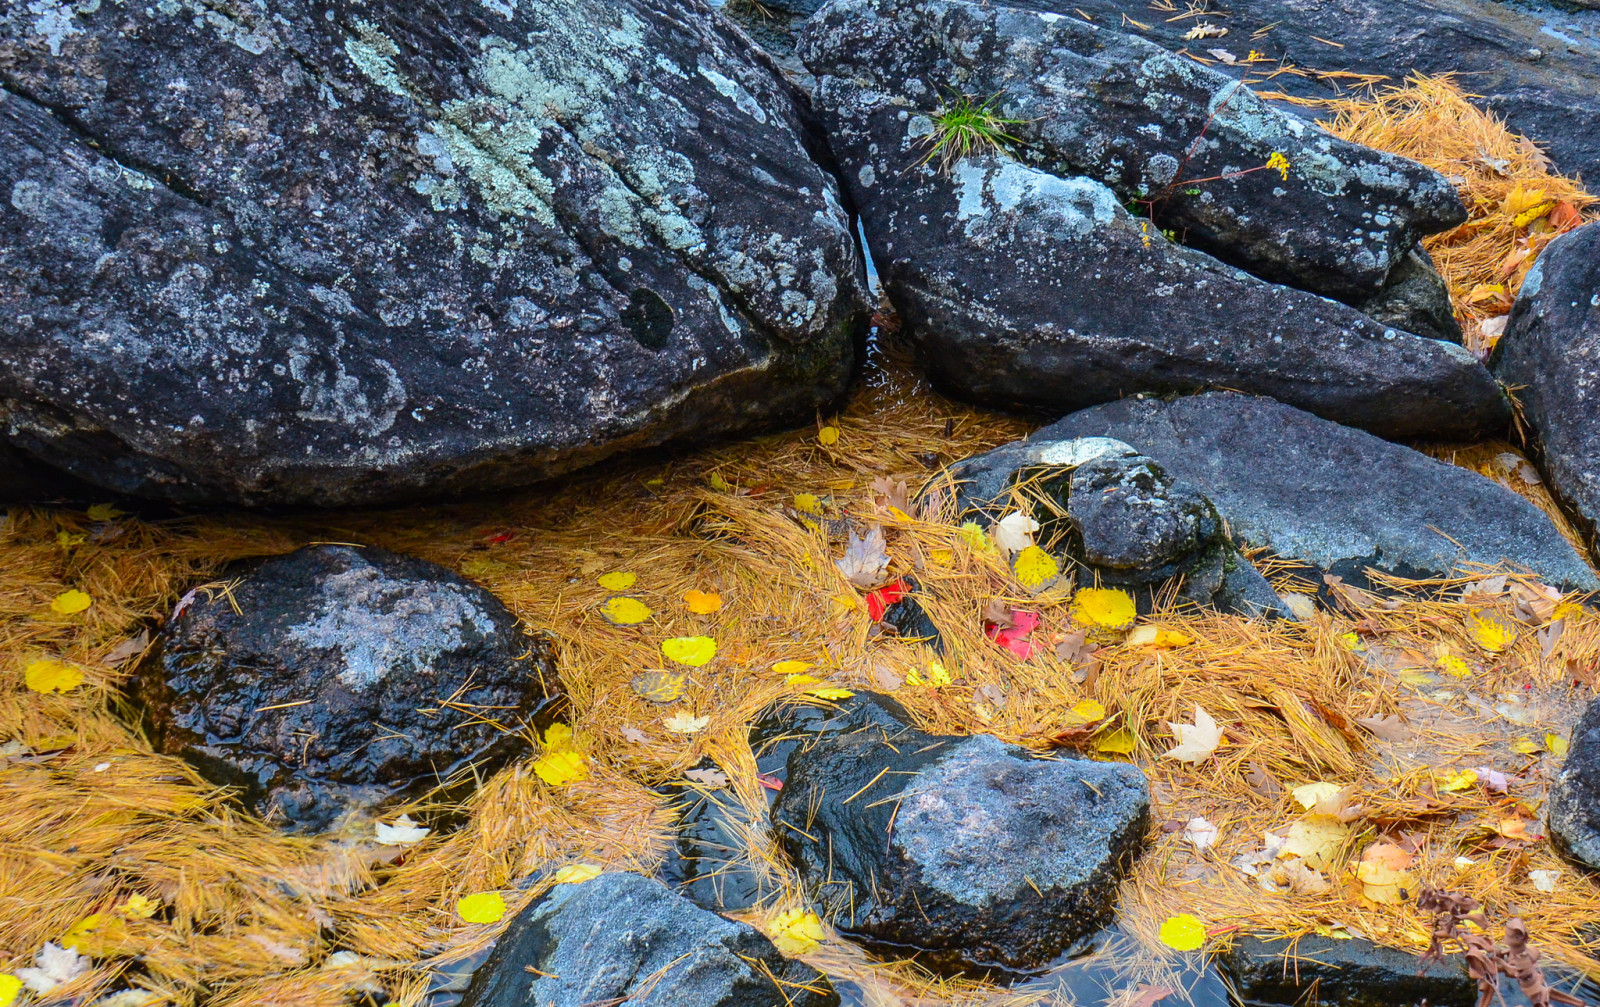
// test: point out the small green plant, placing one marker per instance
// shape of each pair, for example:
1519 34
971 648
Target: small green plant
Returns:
964 127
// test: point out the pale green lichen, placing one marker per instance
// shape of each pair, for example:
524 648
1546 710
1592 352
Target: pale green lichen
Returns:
373 54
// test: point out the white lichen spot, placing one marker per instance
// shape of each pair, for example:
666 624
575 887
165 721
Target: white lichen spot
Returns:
373 54
730 88
53 20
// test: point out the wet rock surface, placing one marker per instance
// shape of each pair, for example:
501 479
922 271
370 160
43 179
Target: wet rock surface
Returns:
1085 100
1336 498
1574 809
1024 288
707 863
623 937
346 254
966 853
334 679
1100 503
1551 354
1344 973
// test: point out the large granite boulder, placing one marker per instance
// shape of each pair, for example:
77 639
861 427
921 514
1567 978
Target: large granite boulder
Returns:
1343 973
1026 288
1102 505
1574 809
967 853
1550 355
625 938
1336 498
344 253
335 679
1080 99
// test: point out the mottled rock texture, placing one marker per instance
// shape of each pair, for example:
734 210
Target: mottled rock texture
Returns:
1574 810
625 938
967 853
1025 288
1084 100
1551 355
1117 512
1336 498
1344 973
317 683
1417 299
343 253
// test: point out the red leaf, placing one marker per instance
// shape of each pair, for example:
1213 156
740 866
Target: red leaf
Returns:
1015 637
770 782
878 602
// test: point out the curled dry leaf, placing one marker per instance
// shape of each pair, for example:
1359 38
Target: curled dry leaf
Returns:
1014 532
891 495
865 559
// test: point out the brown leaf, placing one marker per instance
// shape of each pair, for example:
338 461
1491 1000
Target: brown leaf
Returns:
866 559
634 735
1550 636
1388 727
998 613
1147 995
991 693
888 493
1262 782
713 778
133 647
885 678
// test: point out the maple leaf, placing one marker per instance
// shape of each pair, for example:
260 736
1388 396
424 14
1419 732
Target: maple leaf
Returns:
992 694
892 495
1196 741
713 778
684 723
1014 532
1202 833
1015 637
1316 840
1388 727
998 613
1301 878
54 966
865 558
634 735
1147 995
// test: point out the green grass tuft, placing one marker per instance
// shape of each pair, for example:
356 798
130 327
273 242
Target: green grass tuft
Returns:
965 127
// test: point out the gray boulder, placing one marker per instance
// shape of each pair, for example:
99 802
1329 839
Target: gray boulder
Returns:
1574 810
1102 504
1086 100
335 254
966 853
1417 299
625 938
25 480
1343 973
317 683
1338 499
1551 355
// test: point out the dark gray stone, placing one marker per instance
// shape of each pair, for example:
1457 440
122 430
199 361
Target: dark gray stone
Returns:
25 480
1550 354
377 643
1574 812
966 853
1102 504
1344 973
625 938
1417 299
1087 100
342 253
1022 288
1336 498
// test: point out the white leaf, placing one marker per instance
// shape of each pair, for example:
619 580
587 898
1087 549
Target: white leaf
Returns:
1545 881
683 723
713 778
55 965
1014 532
865 559
1493 780
1301 606
1196 741
402 833
1201 833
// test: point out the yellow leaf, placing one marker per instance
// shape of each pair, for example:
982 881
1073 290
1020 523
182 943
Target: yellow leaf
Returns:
718 483
694 651
937 676
1526 746
1556 744
560 768
684 723
1352 643
1104 607
1087 712
52 676
796 931
1316 840
97 935
1454 666
792 668
808 503
10 986
620 580
702 602
828 436
1118 742
484 907
845 602
942 557
1533 213
1183 933
1493 631
139 907
1521 199
576 874
67 540
104 512
1458 781
975 537
71 602
660 686
830 692
1035 569
558 737
1309 795
622 610
1160 639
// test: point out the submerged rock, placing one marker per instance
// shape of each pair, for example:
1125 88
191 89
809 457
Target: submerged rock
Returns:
339 253
707 863
1551 354
1079 99
337 678
1024 288
1344 973
966 853
1338 499
1574 810
625 938
1100 503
